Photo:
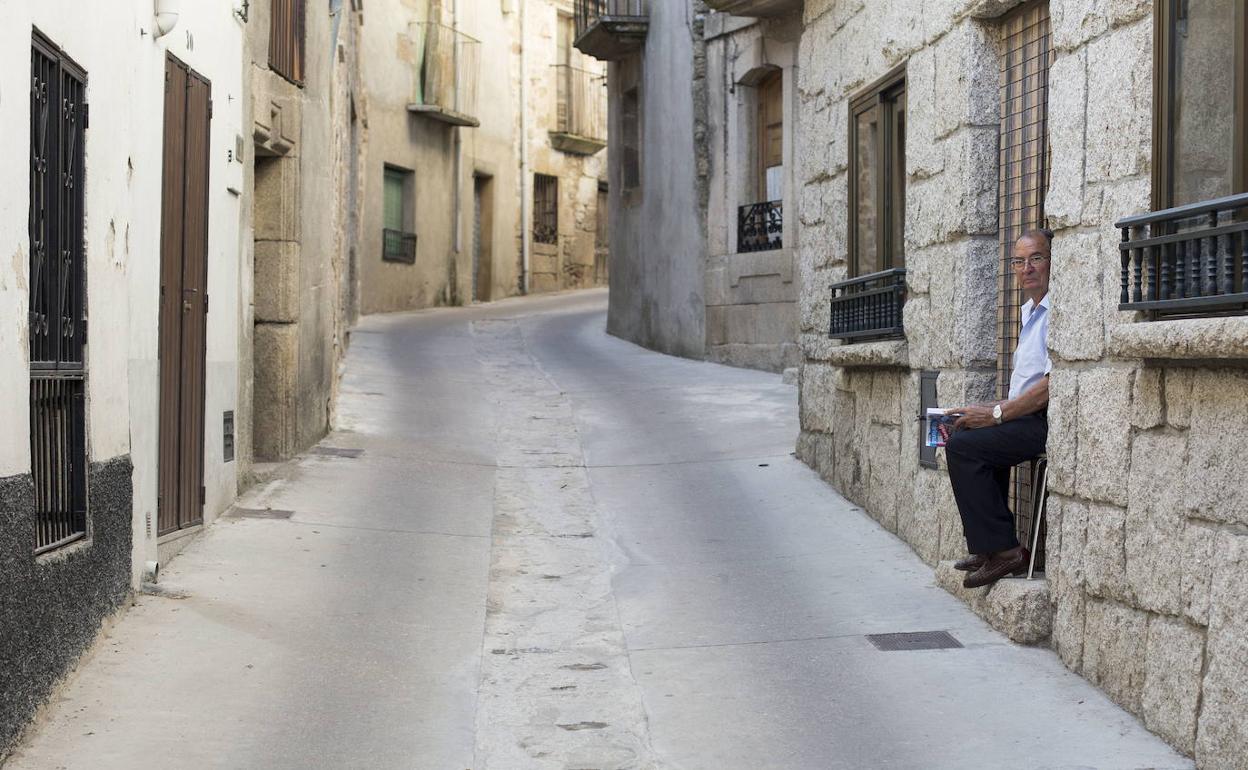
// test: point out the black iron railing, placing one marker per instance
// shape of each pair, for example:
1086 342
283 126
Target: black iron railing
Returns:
760 226
398 246
869 307
1186 261
590 12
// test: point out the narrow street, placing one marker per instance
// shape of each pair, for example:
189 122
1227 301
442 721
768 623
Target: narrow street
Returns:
544 547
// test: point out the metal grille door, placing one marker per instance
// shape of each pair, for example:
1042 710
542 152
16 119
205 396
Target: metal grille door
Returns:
183 297
1023 179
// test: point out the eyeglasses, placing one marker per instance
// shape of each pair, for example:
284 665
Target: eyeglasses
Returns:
1036 260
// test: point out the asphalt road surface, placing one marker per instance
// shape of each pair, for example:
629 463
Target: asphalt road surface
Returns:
554 549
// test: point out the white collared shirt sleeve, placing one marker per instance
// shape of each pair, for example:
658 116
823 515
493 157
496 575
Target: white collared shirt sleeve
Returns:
1031 357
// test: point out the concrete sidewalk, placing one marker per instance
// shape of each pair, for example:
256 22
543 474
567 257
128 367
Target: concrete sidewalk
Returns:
557 550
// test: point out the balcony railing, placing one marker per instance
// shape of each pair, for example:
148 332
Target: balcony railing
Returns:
398 246
759 8
581 110
869 306
1186 261
611 29
760 226
447 70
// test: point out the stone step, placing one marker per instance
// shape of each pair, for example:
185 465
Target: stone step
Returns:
1019 608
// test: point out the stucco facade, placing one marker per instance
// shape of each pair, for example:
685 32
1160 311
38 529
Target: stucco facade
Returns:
54 603
1145 584
468 188
718 119
278 291
658 224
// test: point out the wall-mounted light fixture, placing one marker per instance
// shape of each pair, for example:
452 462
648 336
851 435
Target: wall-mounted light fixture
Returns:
166 16
244 12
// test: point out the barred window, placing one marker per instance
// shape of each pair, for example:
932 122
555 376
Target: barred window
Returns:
545 208
286 39
877 179
398 242
58 320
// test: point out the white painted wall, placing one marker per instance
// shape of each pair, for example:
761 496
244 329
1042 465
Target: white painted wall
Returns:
113 42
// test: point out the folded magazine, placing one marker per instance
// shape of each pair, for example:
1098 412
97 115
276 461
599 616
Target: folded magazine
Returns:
939 426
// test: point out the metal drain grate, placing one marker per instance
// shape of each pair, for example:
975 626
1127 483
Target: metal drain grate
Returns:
260 513
335 451
914 640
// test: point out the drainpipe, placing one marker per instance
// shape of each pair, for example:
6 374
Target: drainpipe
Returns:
525 215
457 211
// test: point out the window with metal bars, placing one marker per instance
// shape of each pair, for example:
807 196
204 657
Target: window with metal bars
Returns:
1023 179
286 39
545 208
58 319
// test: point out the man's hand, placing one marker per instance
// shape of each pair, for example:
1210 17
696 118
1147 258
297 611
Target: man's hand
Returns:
972 417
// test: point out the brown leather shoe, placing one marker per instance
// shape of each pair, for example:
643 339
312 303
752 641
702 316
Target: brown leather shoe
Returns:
1011 562
970 563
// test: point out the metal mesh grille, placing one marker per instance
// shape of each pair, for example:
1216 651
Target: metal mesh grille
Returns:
914 640
1023 179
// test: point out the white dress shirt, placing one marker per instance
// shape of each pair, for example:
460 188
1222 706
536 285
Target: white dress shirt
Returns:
1031 357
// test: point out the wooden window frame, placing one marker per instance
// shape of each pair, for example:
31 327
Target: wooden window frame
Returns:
288 39
883 94
399 244
1164 84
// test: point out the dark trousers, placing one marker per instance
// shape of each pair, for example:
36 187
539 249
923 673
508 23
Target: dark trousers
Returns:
979 470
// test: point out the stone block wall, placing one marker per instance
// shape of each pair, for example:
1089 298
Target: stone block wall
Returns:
751 297
1146 593
859 403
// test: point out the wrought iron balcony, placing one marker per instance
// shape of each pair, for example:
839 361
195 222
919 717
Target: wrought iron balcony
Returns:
758 8
447 69
611 29
398 246
869 306
1186 261
581 110
760 226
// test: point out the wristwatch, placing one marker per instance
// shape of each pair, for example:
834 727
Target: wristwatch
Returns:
996 414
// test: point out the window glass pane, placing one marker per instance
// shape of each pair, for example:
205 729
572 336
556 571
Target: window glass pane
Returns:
897 185
1204 101
393 208
866 168
774 183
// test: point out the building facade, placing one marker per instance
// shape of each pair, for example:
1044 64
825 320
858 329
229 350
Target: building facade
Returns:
483 172
174 296
930 141
704 120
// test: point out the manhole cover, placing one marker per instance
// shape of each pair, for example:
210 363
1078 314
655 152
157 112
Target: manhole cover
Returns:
335 451
914 640
260 513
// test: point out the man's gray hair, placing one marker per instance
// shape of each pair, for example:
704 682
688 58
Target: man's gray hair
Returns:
1037 233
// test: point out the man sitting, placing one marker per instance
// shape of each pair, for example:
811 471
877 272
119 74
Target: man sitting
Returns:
990 439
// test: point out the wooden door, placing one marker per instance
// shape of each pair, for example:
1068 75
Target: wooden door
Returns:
771 138
183 297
